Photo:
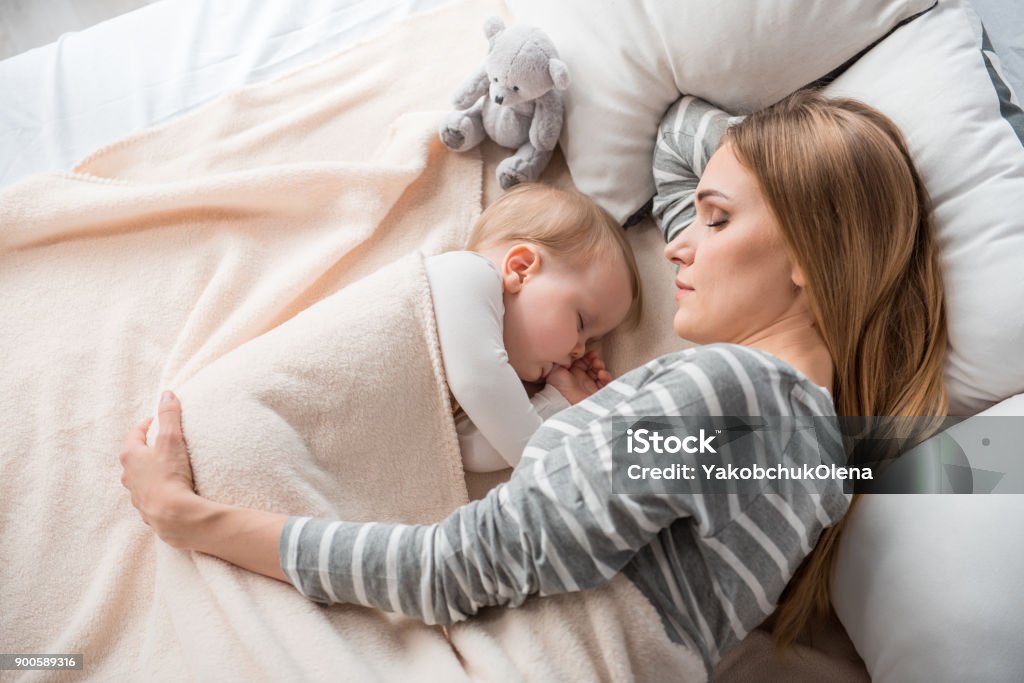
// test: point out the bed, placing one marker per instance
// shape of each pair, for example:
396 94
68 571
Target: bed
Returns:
62 102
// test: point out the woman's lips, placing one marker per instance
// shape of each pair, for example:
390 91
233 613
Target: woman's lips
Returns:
683 289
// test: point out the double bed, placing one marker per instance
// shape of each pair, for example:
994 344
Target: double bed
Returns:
108 105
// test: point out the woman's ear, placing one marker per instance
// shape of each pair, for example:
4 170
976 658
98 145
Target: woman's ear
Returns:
797 276
521 262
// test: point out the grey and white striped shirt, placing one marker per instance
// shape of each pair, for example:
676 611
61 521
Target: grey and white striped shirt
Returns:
687 137
712 565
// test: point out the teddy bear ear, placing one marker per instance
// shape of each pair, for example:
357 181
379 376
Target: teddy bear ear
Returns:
559 74
493 26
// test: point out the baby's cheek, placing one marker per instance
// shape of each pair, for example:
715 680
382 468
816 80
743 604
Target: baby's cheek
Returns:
569 338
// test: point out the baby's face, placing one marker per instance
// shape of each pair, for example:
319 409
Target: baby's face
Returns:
555 305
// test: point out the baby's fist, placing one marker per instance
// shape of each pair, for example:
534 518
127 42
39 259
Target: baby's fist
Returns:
584 377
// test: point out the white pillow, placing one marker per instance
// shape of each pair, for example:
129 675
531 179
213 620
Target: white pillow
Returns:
629 61
929 587
932 78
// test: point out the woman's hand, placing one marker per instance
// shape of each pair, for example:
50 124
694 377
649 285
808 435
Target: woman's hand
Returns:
583 378
159 478
160 482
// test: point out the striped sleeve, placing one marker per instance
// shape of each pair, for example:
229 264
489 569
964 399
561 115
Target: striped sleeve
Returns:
556 526
687 138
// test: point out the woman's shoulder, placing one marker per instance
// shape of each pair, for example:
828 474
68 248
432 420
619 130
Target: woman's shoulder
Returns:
740 379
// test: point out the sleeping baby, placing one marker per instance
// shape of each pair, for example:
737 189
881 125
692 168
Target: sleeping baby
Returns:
545 272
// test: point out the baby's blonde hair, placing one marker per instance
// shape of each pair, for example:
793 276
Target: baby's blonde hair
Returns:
565 222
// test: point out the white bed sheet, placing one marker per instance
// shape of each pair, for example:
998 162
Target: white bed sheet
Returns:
60 102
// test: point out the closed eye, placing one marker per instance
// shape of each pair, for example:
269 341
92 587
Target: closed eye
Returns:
579 317
716 219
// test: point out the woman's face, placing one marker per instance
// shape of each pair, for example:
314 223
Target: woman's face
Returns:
736 282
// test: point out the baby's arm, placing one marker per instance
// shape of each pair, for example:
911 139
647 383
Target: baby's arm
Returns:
478 455
565 387
467 294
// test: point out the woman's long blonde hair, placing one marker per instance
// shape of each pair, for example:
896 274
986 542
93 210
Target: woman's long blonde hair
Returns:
857 220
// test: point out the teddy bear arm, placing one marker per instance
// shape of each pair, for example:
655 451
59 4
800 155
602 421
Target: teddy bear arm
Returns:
547 122
471 90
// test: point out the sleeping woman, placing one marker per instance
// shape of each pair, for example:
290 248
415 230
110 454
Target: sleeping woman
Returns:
807 272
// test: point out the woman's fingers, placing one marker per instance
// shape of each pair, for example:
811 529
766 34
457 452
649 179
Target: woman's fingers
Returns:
158 477
135 439
138 435
170 421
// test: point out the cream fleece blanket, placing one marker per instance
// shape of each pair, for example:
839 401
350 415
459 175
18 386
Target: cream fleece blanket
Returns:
262 256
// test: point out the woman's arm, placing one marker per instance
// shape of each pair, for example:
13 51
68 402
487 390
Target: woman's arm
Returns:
160 482
687 138
159 479
247 538
557 526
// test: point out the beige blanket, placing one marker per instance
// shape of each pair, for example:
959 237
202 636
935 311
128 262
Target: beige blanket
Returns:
262 256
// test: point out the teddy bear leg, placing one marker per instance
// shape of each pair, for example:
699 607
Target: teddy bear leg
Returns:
462 130
526 164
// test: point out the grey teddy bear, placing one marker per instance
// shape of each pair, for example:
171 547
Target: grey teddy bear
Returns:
514 98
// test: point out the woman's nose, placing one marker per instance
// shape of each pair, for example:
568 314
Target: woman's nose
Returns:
680 250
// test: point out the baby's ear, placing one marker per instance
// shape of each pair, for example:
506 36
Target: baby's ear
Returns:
520 262
512 281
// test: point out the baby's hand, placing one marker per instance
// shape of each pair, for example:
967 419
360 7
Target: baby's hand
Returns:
584 377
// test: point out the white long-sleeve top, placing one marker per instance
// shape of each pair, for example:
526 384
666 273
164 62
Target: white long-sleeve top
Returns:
499 416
